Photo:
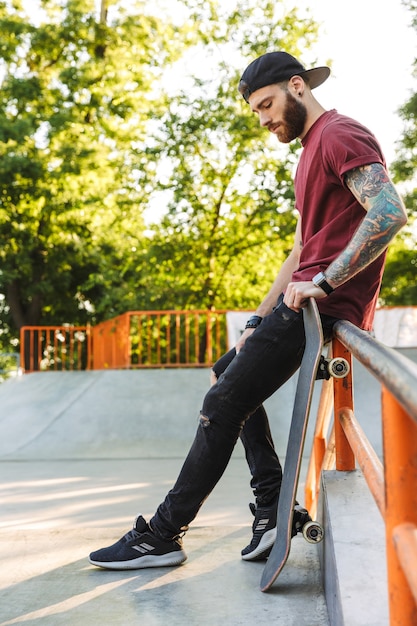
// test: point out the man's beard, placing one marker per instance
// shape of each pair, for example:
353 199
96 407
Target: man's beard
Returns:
294 118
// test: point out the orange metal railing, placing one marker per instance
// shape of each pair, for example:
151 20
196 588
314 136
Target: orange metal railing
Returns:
392 483
146 339
55 348
136 339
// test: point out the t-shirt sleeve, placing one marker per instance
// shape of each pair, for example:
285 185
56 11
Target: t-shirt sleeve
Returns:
346 146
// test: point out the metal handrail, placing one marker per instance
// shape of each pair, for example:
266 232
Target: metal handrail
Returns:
392 483
55 348
392 369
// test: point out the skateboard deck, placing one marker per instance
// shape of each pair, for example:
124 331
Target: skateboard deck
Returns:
302 402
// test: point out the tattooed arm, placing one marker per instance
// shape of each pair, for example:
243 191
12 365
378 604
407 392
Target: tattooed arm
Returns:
385 216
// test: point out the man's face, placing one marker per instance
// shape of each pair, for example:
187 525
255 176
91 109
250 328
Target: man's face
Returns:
283 114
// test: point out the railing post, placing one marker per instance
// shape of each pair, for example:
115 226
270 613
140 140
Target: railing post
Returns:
126 357
343 398
89 338
400 455
318 451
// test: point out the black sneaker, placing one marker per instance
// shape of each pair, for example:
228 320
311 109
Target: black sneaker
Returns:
139 548
264 530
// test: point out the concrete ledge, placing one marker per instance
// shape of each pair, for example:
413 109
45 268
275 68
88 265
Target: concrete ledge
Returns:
352 555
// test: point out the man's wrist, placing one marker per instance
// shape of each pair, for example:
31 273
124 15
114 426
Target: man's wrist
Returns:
253 321
320 280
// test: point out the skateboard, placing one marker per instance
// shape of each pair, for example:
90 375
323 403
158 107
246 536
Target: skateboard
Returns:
292 518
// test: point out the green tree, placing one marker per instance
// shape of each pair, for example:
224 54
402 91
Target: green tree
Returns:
95 131
399 285
227 189
74 104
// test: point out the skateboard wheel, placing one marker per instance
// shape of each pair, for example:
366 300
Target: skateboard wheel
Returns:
339 367
313 532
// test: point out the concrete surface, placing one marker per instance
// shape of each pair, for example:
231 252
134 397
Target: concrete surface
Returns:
111 414
137 413
353 555
82 453
55 512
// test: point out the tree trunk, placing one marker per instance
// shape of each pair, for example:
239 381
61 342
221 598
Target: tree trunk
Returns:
31 317
103 11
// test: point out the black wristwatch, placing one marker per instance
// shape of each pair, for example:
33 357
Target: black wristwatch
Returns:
253 321
320 281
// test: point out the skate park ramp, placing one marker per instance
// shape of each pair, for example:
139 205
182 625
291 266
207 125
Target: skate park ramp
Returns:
138 413
82 453
110 414
100 414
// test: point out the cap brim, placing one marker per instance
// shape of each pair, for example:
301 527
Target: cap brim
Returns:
316 76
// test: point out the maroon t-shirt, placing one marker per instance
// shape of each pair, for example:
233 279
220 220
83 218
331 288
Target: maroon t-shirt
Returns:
330 214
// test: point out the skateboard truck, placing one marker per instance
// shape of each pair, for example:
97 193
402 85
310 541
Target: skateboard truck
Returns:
302 523
332 368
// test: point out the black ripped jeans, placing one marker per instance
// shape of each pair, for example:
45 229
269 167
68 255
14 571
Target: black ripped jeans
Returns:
270 356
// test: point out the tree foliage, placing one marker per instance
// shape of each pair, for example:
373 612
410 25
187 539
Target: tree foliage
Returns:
228 219
96 133
399 285
75 98
134 176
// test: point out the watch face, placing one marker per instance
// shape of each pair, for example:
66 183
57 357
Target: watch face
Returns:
318 279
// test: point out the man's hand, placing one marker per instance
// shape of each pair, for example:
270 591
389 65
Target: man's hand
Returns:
297 294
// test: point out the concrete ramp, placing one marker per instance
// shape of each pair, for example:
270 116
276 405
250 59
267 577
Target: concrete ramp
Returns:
68 487
136 413
99 414
112 414
125 434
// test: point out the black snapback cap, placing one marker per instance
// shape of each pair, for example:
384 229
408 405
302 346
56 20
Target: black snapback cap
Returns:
275 67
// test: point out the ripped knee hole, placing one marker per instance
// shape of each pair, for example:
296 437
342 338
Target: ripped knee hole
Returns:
204 421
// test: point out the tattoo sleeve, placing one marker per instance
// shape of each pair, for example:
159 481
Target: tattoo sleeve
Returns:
385 216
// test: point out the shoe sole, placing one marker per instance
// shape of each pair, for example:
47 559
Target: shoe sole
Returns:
166 560
263 548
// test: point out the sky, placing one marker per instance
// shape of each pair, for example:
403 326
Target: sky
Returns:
372 47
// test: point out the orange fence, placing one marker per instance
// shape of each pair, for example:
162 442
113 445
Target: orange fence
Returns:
392 483
55 348
137 339
140 339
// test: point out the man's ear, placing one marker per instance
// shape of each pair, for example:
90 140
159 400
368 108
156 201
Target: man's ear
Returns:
296 85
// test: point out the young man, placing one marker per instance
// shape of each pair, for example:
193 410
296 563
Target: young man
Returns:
348 211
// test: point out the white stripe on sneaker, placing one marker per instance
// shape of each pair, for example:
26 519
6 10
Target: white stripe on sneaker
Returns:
143 547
